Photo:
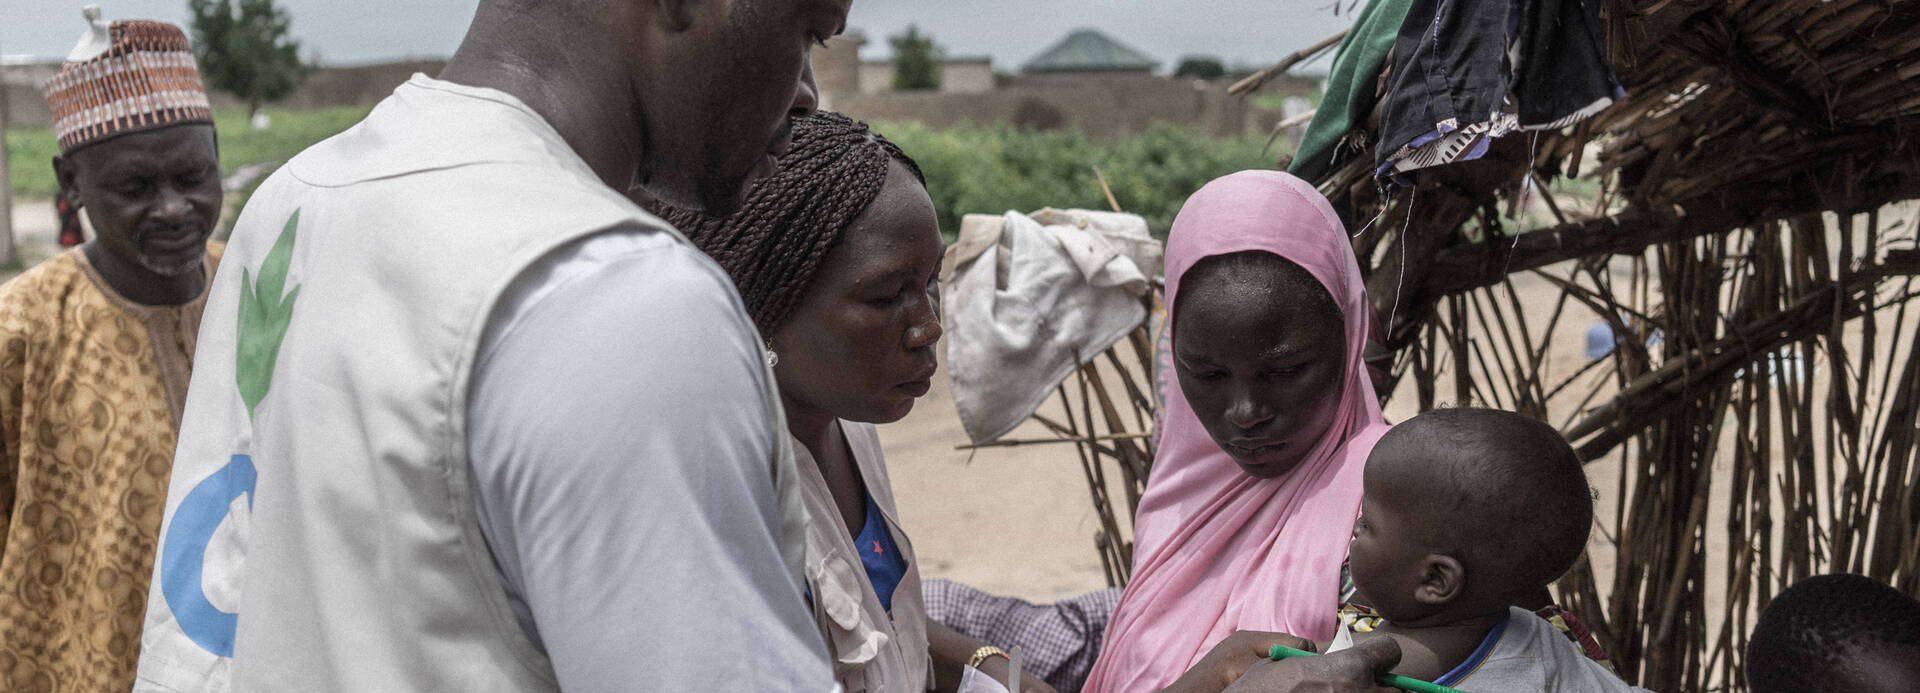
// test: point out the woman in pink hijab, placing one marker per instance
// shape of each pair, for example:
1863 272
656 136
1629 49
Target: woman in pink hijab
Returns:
1268 420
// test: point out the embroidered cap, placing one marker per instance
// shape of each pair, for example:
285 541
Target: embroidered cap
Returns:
125 77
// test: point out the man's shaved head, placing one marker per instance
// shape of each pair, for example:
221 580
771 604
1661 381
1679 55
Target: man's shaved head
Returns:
691 99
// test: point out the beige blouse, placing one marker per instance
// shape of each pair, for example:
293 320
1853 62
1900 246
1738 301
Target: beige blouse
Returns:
871 649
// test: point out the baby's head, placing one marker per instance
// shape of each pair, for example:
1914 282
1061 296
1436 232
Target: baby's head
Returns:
1467 511
1836 633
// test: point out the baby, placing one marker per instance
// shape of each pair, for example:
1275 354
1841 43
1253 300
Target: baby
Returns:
1836 633
1465 513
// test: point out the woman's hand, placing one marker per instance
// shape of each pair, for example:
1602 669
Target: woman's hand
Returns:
951 649
998 668
1347 671
1230 659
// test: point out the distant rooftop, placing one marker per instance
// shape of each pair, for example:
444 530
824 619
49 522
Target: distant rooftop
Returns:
1088 50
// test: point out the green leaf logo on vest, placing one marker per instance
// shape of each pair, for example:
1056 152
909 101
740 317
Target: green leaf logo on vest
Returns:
264 315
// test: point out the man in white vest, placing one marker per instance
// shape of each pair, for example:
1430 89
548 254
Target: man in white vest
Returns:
463 418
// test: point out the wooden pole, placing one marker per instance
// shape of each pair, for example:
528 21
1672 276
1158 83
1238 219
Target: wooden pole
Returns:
7 256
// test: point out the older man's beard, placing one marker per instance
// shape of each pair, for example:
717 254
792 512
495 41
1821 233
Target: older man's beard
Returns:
176 263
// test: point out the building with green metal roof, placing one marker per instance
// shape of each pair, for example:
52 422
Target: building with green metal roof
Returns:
1090 51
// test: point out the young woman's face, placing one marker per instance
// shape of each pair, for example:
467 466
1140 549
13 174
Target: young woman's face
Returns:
859 346
1260 358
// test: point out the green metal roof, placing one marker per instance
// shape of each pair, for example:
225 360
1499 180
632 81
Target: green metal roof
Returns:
1088 50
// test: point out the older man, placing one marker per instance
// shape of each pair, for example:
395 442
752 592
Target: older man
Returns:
95 346
467 419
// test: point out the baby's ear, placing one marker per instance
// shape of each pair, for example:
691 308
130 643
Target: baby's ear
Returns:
1442 579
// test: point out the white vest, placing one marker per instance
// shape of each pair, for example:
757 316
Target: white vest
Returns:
320 533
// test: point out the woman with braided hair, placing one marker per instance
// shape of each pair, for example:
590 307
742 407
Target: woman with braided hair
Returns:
836 257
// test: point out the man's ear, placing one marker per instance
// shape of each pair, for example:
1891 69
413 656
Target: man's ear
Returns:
1442 579
67 175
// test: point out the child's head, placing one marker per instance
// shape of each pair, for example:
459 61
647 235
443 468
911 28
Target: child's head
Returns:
1836 633
1465 512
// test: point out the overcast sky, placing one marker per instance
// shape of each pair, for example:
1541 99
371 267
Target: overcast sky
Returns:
1252 32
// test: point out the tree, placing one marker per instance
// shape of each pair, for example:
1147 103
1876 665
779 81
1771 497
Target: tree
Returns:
244 49
1200 67
916 63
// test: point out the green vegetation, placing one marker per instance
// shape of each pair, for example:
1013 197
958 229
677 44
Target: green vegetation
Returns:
244 48
1200 67
31 149
991 170
916 62
30 153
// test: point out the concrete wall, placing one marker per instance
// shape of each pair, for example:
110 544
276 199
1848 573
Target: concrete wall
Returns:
24 104
836 68
1109 108
962 76
876 77
967 76
362 85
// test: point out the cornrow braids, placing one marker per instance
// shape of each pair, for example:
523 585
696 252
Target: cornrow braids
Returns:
772 246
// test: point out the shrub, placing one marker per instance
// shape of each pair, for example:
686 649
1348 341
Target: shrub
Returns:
994 169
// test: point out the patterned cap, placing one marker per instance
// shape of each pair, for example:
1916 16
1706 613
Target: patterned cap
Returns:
131 76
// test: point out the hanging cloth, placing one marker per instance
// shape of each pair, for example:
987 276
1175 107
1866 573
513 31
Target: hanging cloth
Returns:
1466 73
1351 86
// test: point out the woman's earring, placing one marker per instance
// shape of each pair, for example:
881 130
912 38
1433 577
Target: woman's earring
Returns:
773 357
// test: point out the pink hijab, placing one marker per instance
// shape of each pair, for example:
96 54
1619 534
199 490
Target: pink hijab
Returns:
1217 550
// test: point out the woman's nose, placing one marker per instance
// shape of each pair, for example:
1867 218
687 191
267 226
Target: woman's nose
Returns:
925 330
1246 411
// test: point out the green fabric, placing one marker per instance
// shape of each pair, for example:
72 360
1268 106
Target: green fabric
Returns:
1350 85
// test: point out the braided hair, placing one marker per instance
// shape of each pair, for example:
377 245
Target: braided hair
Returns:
773 245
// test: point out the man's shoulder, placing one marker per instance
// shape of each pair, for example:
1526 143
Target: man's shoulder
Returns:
657 276
41 285
438 130
32 304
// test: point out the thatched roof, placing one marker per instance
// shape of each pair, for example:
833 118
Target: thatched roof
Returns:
1780 99
1737 112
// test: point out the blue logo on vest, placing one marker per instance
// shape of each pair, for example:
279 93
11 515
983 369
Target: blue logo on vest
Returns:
184 555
